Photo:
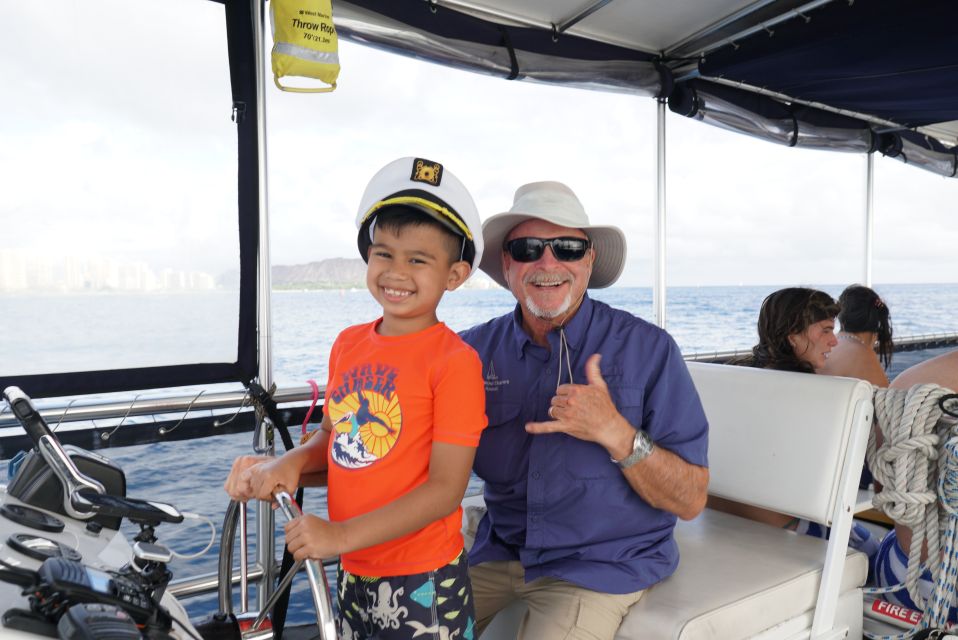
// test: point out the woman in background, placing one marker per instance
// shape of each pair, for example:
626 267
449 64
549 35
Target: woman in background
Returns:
865 344
796 331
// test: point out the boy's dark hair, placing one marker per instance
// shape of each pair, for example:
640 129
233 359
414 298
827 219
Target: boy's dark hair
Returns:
398 217
864 310
784 313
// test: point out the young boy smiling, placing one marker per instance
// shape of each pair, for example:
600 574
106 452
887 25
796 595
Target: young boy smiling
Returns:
404 408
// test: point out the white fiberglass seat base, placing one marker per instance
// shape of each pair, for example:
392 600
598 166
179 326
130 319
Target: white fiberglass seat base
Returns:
738 578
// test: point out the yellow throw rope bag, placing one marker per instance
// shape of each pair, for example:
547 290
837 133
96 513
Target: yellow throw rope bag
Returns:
304 43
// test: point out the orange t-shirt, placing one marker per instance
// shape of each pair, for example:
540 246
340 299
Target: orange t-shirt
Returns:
389 398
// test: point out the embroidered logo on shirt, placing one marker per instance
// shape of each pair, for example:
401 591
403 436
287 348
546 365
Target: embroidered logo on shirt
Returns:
366 416
492 380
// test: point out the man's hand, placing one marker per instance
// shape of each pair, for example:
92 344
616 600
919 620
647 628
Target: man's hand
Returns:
586 412
237 483
258 476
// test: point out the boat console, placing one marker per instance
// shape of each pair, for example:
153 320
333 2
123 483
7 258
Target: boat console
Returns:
65 570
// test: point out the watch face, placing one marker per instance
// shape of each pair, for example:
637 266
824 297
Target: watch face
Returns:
641 448
643 442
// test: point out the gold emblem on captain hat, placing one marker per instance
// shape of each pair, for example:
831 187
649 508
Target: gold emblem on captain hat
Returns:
426 171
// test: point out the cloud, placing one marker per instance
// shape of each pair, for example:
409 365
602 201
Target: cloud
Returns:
124 145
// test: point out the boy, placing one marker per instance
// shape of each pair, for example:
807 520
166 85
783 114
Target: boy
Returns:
404 407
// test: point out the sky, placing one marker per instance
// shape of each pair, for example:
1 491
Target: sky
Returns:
118 142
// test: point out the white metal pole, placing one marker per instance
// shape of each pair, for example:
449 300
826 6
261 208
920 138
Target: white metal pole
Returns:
658 286
263 262
869 215
264 512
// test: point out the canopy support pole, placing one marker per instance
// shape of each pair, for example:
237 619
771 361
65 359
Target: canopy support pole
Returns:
658 286
869 216
581 15
265 555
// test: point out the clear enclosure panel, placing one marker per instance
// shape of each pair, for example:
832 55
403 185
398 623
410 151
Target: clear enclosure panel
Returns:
119 245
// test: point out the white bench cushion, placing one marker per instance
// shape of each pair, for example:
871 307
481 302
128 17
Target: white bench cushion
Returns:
736 578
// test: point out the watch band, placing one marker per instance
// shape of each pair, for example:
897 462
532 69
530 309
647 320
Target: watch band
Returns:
642 447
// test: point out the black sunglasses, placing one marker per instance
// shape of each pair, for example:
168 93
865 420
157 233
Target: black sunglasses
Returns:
564 249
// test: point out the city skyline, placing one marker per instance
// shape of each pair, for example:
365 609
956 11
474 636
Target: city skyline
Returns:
23 270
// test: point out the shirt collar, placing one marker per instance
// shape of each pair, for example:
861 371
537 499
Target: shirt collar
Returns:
575 328
578 326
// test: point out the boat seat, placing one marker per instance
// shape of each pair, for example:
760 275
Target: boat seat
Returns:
737 578
789 442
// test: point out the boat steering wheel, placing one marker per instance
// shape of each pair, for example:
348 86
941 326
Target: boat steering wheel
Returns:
318 584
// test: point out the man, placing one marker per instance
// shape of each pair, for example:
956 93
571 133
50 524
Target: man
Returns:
596 438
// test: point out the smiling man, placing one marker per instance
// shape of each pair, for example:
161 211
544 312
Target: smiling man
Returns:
596 440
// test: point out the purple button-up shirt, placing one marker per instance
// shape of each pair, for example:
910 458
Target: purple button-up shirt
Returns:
558 504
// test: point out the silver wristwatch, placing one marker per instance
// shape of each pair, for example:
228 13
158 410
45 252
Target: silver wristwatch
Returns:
642 447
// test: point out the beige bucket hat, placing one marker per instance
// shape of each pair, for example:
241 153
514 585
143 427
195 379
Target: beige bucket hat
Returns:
556 203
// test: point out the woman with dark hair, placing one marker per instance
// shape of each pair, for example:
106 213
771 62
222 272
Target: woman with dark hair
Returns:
796 331
865 341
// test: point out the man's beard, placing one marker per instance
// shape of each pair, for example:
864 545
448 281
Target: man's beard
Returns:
550 314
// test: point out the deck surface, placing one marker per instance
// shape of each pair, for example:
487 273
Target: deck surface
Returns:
301 632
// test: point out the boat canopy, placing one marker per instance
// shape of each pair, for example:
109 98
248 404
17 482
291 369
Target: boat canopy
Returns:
865 76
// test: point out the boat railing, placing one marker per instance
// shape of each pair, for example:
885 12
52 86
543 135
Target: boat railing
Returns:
910 343
227 401
210 407
926 341
195 402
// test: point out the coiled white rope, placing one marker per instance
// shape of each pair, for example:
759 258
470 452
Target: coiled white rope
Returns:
917 447
944 594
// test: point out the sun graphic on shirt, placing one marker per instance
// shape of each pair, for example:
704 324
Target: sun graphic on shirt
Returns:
372 418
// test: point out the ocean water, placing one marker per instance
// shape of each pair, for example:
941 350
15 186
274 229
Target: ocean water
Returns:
701 319
305 323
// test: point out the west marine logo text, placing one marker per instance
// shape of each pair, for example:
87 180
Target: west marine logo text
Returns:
366 416
492 380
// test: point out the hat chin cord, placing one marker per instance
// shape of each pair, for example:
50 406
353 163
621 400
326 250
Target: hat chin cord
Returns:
563 341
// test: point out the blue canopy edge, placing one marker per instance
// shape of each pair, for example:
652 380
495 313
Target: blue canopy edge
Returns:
892 59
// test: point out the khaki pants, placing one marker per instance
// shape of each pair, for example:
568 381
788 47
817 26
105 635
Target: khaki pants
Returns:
557 610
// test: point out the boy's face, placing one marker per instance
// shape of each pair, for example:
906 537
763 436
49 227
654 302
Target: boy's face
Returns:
407 273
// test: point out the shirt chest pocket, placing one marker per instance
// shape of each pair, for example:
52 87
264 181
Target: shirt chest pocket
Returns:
589 461
503 448
630 402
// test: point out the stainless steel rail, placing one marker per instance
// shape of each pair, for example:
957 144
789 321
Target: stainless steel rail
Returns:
926 341
911 343
314 571
300 394
154 406
208 582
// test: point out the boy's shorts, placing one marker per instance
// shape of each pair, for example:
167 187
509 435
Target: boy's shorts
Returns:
891 568
436 604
